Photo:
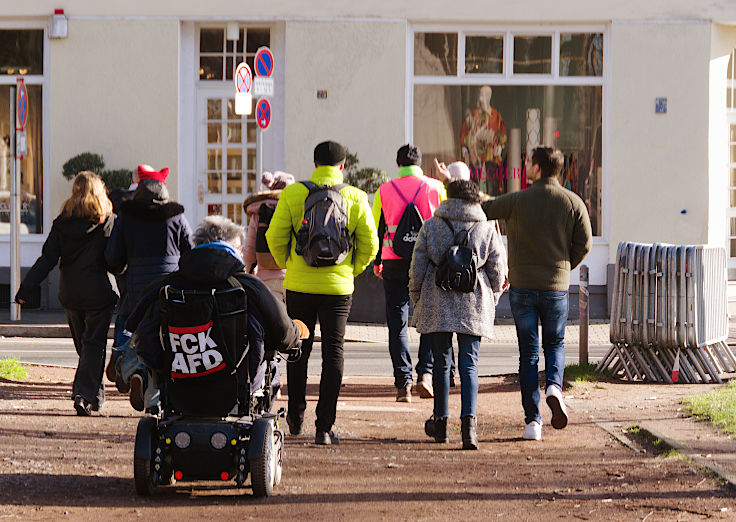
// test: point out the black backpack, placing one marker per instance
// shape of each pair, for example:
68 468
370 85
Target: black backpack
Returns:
323 239
407 231
204 336
264 259
458 267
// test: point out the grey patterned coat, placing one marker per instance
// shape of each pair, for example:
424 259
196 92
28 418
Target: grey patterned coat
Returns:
437 310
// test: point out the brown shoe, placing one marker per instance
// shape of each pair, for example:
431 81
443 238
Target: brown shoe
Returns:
110 371
137 387
403 394
424 386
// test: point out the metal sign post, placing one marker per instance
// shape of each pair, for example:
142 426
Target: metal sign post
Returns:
14 204
584 307
263 63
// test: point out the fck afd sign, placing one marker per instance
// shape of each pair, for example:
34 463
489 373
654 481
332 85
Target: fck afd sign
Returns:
195 352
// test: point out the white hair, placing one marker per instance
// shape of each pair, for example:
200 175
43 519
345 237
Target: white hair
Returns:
459 170
217 228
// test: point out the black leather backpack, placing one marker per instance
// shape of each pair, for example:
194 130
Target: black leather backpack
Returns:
458 268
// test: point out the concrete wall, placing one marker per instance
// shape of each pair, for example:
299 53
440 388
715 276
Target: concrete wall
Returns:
658 163
110 94
362 68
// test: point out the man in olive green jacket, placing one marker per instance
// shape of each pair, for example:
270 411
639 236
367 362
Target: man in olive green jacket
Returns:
549 234
323 292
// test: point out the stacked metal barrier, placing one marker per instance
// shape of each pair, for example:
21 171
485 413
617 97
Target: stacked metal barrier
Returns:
669 299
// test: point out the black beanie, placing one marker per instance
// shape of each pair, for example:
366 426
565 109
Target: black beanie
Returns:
329 153
408 155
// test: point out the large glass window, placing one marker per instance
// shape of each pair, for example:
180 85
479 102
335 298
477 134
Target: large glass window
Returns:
21 53
218 57
494 124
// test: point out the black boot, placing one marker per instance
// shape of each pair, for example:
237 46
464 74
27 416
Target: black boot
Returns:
468 430
440 430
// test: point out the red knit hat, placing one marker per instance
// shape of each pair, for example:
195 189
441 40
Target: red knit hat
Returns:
147 172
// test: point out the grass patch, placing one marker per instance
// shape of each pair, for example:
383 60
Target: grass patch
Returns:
717 406
10 368
579 373
652 445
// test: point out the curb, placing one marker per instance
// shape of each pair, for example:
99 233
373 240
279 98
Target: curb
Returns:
40 330
652 432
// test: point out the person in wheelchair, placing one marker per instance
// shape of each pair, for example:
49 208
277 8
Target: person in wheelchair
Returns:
207 336
215 263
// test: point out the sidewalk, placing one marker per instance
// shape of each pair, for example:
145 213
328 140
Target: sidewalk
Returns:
36 323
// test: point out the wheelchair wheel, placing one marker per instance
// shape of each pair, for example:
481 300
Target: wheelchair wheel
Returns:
142 462
263 468
279 445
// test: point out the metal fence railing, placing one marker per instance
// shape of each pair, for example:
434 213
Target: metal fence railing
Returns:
669 314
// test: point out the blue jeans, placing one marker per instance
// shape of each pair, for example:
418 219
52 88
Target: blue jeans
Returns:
129 364
397 318
529 307
467 361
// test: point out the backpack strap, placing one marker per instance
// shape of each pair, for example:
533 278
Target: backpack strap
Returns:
234 283
311 186
402 196
449 224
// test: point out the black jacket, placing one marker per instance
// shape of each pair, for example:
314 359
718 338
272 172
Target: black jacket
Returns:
202 269
85 283
149 238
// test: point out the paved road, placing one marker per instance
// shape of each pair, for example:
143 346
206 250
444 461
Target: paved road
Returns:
360 358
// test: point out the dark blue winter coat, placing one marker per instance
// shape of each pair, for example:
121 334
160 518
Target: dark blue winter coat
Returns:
149 238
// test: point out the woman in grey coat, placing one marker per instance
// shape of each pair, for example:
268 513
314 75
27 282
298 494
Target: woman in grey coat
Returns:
439 312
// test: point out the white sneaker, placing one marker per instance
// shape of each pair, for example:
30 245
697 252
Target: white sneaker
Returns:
557 405
533 431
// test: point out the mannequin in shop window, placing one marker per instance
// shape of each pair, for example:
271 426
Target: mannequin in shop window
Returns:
483 138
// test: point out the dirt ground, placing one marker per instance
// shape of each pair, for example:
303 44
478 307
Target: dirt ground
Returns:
55 465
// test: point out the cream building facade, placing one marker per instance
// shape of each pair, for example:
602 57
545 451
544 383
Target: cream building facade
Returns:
151 82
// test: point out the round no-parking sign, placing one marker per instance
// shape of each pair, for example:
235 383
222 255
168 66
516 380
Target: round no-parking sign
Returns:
263 113
263 62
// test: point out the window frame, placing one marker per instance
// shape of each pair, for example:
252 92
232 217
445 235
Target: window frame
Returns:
509 78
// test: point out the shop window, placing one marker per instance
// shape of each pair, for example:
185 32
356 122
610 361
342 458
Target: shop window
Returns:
492 129
21 52
532 54
435 54
494 125
484 55
218 56
581 54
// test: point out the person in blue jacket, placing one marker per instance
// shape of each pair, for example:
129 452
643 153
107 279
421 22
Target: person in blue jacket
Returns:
151 233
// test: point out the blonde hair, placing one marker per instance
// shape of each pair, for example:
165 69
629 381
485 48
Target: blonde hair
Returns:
89 198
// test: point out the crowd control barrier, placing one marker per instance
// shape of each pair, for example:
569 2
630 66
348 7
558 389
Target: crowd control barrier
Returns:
669 314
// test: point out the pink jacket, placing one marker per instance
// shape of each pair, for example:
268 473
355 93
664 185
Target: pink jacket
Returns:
252 204
429 193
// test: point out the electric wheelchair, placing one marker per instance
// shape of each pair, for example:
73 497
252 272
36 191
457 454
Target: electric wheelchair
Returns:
214 420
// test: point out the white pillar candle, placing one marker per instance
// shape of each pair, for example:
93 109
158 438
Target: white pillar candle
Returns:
550 129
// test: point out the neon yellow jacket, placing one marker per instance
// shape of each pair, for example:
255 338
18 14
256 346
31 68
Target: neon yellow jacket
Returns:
287 219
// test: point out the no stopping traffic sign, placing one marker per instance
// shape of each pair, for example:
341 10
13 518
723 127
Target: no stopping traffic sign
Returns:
22 104
263 113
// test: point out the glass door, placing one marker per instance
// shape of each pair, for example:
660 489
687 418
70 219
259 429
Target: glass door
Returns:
226 156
